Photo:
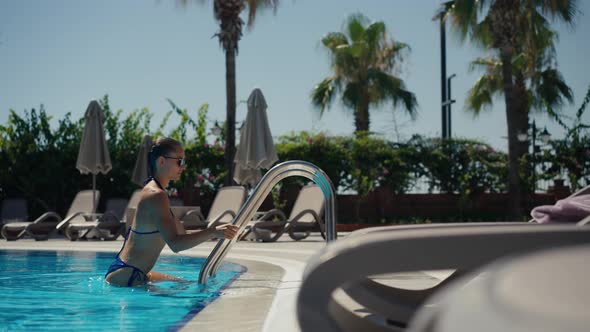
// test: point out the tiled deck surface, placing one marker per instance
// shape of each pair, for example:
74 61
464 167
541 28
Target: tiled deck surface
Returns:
263 298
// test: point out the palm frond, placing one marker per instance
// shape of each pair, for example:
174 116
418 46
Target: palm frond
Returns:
355 26
481 34
489 64
375 36
551 90
254 5
564 10
464 16
323 94
344 61
351 96
334 39
480 96
385 86
584 104
391 54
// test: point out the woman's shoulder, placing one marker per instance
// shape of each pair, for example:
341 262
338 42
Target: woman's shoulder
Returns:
154 196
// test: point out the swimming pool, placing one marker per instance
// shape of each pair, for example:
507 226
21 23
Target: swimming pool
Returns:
63 290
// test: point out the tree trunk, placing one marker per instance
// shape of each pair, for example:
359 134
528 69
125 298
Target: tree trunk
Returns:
230 92
361 116
230 32
521 118
504 17
514 184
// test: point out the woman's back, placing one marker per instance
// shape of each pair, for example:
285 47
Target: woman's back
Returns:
144 242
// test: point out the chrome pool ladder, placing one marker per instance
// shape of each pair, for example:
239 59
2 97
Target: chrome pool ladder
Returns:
264 187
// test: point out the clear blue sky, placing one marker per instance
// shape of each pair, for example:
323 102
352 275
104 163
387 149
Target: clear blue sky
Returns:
64 53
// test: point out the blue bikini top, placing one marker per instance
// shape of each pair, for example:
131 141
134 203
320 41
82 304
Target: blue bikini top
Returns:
143 233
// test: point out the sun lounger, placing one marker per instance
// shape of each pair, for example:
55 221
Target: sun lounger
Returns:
409 300
13 210
106 226
305 216
42 227
346 265
543 291
190 217
226 205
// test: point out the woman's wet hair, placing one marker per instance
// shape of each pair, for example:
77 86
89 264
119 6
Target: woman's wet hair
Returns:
163 146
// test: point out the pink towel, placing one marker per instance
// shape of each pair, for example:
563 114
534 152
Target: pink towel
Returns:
571 209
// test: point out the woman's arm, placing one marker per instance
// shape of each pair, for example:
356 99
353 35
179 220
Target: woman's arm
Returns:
182 241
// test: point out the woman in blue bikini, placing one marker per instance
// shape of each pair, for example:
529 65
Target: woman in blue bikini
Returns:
154 225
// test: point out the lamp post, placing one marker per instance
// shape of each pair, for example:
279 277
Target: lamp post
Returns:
216 130
443 74
450 102
545 136
441 15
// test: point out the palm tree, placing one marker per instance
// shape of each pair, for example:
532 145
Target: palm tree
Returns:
546 90
364 61
227 12
513 28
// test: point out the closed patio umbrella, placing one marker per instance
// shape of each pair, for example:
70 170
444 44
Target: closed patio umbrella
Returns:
249 176
93 156
256 149
141 171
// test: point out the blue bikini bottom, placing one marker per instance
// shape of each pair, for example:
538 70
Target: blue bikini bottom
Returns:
136 275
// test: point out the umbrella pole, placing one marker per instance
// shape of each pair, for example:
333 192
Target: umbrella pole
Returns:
93 193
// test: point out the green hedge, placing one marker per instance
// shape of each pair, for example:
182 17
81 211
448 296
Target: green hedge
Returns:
39 161
365 162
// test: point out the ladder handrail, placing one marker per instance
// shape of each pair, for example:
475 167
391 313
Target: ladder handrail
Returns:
247 211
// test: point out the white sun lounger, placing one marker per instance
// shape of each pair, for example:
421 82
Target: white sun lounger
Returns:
42 227
346 265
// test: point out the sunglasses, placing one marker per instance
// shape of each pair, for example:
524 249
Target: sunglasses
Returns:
181 161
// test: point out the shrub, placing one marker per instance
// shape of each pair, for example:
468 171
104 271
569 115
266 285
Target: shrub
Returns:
40 162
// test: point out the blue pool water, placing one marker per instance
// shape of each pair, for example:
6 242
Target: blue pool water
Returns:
62 290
